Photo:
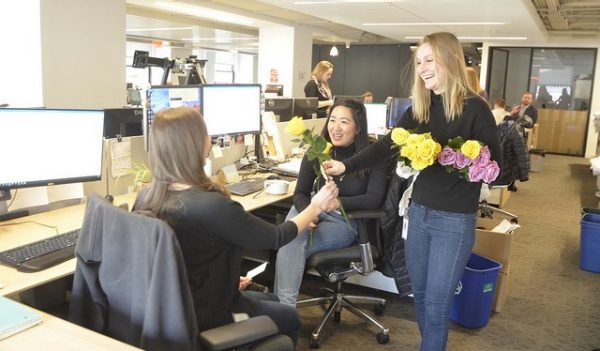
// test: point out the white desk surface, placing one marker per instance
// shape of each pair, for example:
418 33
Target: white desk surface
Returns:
55 333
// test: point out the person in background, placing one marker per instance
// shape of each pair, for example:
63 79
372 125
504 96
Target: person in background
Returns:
544 99
525 108
318 86
443 208
499 110
367 97
212 228
346 129
473 78
564 100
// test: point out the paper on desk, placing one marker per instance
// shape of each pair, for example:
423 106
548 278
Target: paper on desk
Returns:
28 197
505 227
120 157
256 271
65 192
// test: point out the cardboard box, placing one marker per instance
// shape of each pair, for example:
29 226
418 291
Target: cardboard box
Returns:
498 196
496 246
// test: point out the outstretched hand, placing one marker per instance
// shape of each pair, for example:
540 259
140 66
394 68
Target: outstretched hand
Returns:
325 196
334 168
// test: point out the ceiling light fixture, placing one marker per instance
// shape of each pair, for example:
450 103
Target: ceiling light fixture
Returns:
476 38
333 51
435 24
156 29
219 39
341 2
204 12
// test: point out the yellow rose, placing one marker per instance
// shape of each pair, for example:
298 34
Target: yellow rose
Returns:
415 139
399 135
471 149
410 152
327 149
426 149
295 126
419 164
438 149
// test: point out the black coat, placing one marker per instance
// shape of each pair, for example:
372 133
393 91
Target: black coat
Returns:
515 156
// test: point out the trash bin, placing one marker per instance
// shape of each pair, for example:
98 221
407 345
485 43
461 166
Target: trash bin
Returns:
475 292
536 160
589 245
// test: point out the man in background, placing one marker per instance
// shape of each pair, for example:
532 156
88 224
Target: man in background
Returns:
526 108
367 97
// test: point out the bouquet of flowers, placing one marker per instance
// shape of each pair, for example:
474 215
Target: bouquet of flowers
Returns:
470 158
318 149
417 151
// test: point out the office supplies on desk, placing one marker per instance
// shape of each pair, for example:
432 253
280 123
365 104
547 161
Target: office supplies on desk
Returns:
15 317
246 187
276 186
42 254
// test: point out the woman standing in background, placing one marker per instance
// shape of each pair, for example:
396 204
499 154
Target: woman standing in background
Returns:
318 87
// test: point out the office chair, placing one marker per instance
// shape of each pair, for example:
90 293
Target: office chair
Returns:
131 284
337 265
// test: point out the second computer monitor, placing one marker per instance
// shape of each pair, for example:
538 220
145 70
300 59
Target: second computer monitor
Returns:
124 122
397 107
231 108
274 89
282 108
376 118
306 107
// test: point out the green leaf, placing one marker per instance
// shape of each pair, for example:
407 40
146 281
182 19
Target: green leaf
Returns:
456 143
319 144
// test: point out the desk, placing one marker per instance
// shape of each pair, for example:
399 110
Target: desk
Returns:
53 330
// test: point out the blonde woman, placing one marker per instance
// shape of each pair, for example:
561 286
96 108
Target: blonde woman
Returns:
212 228
318 86
442 212
474 82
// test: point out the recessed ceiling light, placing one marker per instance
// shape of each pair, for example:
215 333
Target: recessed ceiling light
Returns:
204 12
435 24
156 29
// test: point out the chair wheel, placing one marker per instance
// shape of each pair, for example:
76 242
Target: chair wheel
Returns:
378 309
383 338
337 317
314 343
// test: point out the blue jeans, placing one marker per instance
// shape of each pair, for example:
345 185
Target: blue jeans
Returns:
437 250
332 232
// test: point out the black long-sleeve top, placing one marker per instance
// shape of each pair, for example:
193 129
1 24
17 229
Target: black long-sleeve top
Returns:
355 192
435 187
311 89
212 230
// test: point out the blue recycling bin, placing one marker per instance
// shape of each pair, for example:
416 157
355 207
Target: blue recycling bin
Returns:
589 245
475 293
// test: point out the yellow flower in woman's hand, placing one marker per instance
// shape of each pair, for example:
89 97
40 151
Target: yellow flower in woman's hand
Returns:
399 135
419 163
327 149
415 139
295 126
471 149
410 152
426 149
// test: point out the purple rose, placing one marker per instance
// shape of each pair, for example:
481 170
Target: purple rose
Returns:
447 156
484 157
462 161
476 173
491 172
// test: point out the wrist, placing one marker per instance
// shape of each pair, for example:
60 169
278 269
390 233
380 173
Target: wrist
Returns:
315 209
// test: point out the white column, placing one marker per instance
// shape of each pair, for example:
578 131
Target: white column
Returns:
288 51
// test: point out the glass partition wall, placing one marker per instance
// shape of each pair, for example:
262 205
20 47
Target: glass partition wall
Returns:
561 82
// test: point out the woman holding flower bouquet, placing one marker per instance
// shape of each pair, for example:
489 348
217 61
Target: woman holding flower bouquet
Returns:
346 130
212 228
442 211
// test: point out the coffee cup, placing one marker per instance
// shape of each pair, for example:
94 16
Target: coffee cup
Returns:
276 186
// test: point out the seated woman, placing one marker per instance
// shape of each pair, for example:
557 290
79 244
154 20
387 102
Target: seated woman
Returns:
346 129
212 228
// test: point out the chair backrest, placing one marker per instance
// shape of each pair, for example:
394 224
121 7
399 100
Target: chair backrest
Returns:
130 282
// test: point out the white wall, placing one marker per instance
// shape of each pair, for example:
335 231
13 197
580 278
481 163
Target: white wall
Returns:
276 51
302 60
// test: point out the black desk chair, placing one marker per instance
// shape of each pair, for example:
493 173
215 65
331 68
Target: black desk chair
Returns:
337 265
131 284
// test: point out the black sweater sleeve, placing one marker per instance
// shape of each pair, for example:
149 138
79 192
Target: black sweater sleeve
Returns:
311 89
304 185
373 197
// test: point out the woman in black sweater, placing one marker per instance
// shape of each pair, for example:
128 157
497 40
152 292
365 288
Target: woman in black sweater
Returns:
318 86
442 213
210 227
346 129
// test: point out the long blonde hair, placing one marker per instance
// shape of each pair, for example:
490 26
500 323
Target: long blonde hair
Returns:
473 80
320 69
448 53
176 154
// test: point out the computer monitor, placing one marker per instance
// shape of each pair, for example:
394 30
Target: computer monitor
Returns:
274 89
376 118
124 122
306 107
134 97
347 97
50 146
397 107
231 108
283 108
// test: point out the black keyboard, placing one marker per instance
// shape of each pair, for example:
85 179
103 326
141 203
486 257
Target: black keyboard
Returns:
246 187
42 254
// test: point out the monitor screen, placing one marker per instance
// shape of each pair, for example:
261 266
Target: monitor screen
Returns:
50 146
283 108
376 118
397 108
274 89
125 122
306 107
231 108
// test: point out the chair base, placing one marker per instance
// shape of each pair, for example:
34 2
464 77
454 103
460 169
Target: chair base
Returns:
338 301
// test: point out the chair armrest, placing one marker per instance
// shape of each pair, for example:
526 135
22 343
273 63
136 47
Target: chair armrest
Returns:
366 214
236 334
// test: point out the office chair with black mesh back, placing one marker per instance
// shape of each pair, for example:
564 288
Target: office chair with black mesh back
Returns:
131 284
337 265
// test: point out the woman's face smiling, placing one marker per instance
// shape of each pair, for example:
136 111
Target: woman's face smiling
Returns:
341 127
428 69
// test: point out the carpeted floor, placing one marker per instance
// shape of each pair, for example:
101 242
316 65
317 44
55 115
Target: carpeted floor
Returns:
552 304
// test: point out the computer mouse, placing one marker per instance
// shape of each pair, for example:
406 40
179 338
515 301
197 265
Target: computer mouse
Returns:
273 176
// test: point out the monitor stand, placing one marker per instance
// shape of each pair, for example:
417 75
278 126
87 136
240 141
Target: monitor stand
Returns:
4 214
